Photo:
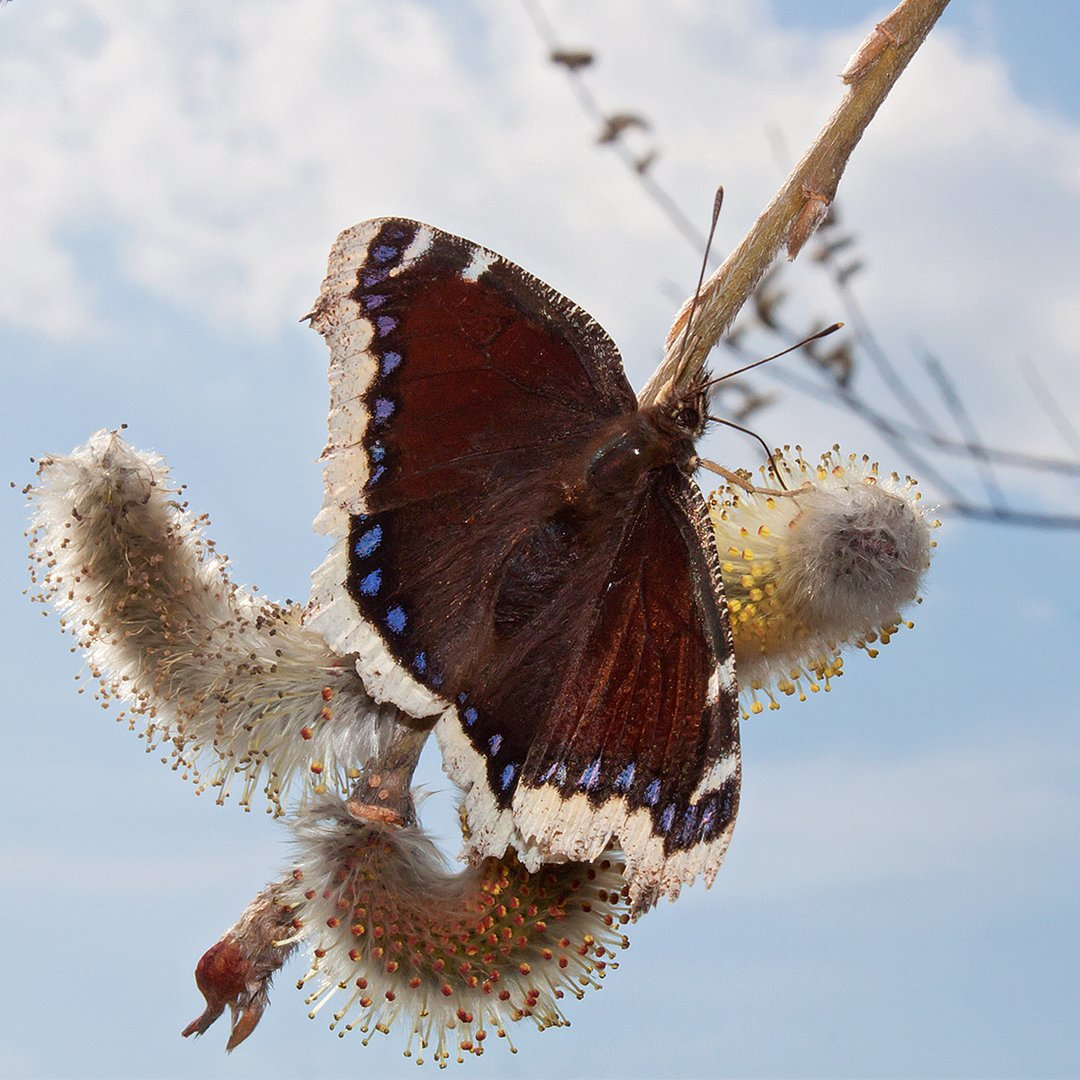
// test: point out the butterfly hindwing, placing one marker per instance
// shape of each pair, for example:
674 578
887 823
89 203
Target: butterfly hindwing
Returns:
642 740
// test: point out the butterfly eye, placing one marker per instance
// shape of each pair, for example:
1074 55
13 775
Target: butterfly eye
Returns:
688 418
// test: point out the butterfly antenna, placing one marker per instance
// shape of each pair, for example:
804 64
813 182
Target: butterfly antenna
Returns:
757 363
776 356
753 435
718 201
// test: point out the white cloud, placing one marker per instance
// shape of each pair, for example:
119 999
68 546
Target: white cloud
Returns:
209 153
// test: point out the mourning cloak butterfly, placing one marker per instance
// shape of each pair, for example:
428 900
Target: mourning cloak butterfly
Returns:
523 554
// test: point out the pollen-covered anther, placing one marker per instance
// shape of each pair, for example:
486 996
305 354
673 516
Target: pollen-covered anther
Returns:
450 955
830 568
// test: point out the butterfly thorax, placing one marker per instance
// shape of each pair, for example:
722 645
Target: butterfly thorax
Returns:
622 455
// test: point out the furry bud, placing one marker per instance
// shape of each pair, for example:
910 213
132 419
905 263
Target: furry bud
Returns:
809 573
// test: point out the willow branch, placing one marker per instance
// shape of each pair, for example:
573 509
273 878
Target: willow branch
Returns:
802 203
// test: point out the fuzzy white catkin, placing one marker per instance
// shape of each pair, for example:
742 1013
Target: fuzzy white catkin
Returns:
240 689
398 939
810 573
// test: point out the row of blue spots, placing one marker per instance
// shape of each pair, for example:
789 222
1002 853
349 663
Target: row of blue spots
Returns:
690 828
383 407
367 542
590 775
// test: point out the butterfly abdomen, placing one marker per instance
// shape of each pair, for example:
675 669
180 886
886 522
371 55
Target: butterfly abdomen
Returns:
536 568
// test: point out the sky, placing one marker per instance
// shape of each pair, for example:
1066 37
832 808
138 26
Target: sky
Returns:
900 895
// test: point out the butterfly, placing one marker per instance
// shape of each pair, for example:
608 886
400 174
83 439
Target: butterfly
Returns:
523 556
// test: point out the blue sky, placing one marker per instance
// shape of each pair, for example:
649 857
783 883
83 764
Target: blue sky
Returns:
900 896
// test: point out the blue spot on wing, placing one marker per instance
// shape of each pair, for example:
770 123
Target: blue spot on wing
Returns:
590 775
374 300
390 361
368 541
508 775
376 476
421 662
652 793
667 818
377 451
470 716
494 743
686 829
370 585
385 324
395 618
384 409
625 778
384 253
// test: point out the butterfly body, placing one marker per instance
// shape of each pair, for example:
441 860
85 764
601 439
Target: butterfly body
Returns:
523 555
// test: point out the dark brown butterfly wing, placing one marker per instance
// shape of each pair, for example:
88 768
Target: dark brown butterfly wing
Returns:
582 673
637 723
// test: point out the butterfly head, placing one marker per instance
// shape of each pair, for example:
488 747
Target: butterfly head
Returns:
683 415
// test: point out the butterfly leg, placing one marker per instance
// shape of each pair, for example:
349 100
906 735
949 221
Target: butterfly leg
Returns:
742 482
